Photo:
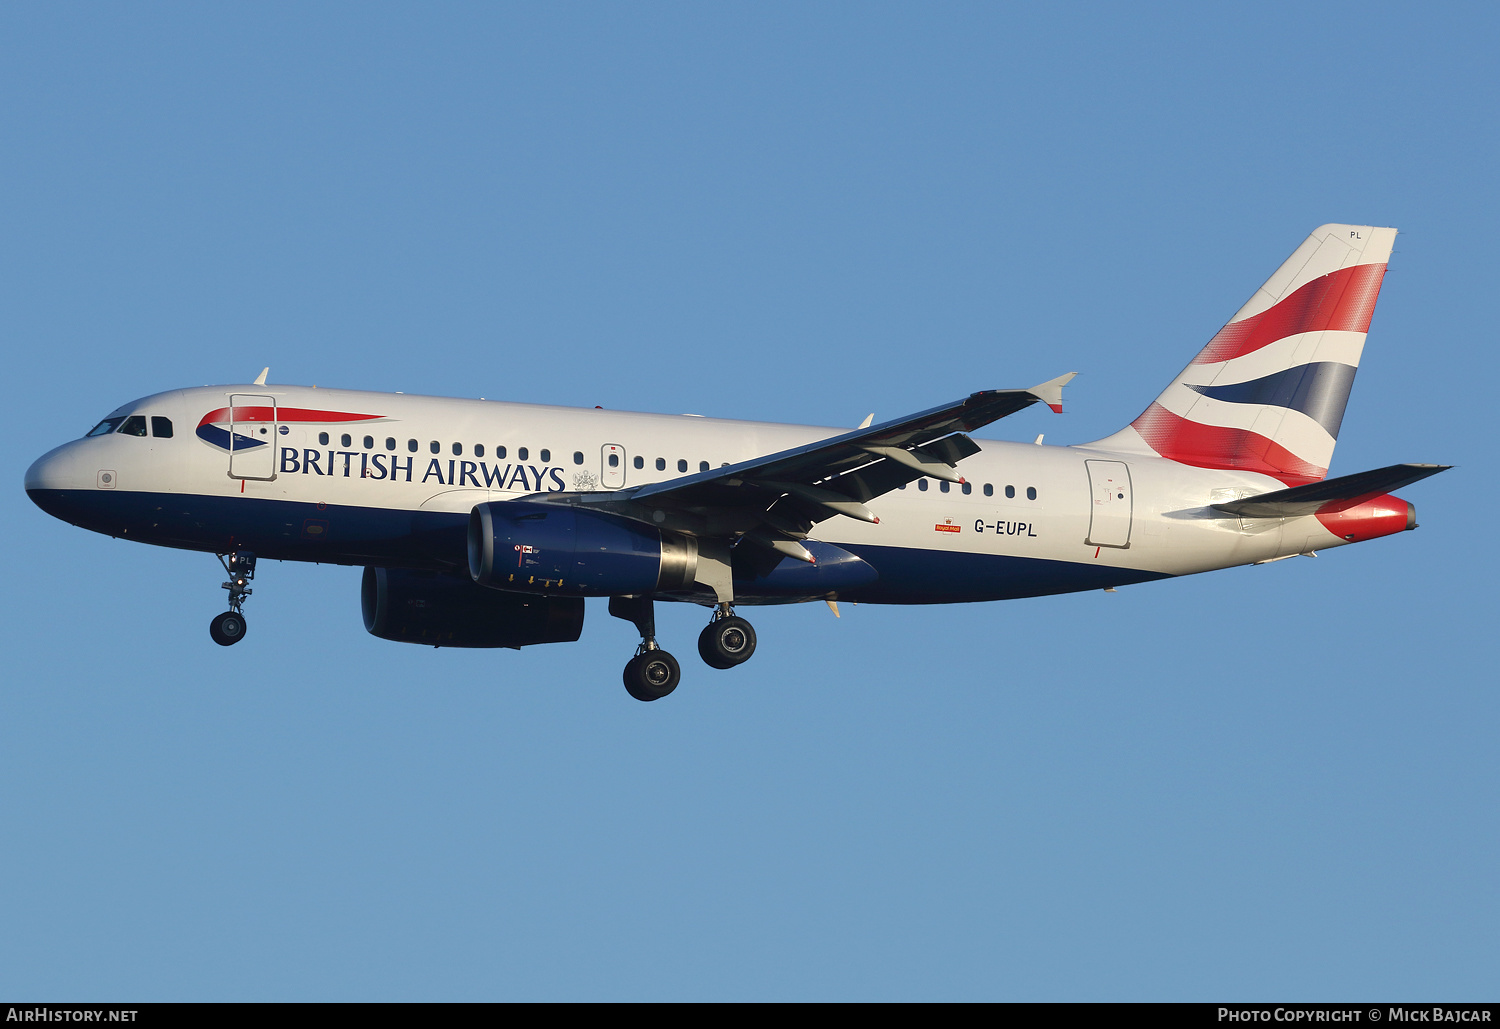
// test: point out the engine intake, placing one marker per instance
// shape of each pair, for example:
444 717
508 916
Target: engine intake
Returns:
542 548
444 611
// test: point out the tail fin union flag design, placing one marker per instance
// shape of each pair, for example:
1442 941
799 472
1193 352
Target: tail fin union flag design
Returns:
215 427
1268 392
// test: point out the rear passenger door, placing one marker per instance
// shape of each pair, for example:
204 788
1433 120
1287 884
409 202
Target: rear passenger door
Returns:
1110 514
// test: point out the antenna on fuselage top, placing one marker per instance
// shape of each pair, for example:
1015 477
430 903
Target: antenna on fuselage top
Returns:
260 380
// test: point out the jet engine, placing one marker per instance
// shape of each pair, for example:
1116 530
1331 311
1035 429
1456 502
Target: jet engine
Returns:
445 611
543 548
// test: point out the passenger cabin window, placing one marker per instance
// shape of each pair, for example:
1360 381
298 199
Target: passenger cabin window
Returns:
390 443
1030 492
661 464
639 463
458 450
614 460
681 465
578 457
522 453
135 425
500 453
922 485
411 446
161 427
323 438
703 466
478 449
369 442
989 490
1010 493
945 485
968 488
344 440
105 427
546 457
435 447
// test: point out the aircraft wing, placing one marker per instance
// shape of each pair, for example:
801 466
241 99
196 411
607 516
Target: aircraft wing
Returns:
776 499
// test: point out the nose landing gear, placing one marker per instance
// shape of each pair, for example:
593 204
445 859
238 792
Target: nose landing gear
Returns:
726 641
228 628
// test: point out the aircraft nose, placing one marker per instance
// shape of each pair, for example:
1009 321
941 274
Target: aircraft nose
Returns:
53 470
56 475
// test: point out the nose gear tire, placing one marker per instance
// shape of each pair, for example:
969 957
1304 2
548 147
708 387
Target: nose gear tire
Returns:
227 629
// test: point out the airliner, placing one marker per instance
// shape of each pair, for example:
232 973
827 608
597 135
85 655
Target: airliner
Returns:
482 523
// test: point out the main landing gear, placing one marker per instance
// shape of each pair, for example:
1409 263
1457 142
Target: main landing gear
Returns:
652 673
727 641
229 628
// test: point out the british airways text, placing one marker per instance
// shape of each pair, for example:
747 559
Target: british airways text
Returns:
354 464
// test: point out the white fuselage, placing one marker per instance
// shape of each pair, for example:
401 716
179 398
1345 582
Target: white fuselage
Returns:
1124 516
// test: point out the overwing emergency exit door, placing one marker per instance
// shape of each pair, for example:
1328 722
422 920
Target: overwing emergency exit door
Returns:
1109 517
252 436
612 466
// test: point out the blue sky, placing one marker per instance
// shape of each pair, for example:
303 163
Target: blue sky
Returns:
1275 782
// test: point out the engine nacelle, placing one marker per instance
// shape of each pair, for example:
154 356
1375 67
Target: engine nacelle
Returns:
542 548
444 611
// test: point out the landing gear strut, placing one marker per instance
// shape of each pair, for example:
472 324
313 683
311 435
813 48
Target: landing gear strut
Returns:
652 673
229 628
726 641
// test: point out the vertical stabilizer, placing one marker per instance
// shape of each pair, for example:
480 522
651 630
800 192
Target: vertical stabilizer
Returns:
1268 392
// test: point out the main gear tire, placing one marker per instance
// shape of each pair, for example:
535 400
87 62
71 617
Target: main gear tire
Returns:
652 675
726 642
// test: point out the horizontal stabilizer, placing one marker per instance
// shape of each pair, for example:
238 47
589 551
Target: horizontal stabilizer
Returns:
1346 490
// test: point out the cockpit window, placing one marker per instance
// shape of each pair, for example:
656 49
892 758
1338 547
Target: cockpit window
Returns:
135 425
161 427
106 427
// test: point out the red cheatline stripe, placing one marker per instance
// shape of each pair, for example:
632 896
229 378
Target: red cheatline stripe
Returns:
1214 446
1344 299
285 414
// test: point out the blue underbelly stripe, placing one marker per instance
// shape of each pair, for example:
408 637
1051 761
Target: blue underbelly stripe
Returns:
331 534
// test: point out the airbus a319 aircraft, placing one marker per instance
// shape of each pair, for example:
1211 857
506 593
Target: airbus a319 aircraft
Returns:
486 524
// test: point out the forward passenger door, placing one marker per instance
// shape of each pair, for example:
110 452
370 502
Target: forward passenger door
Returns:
252 437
